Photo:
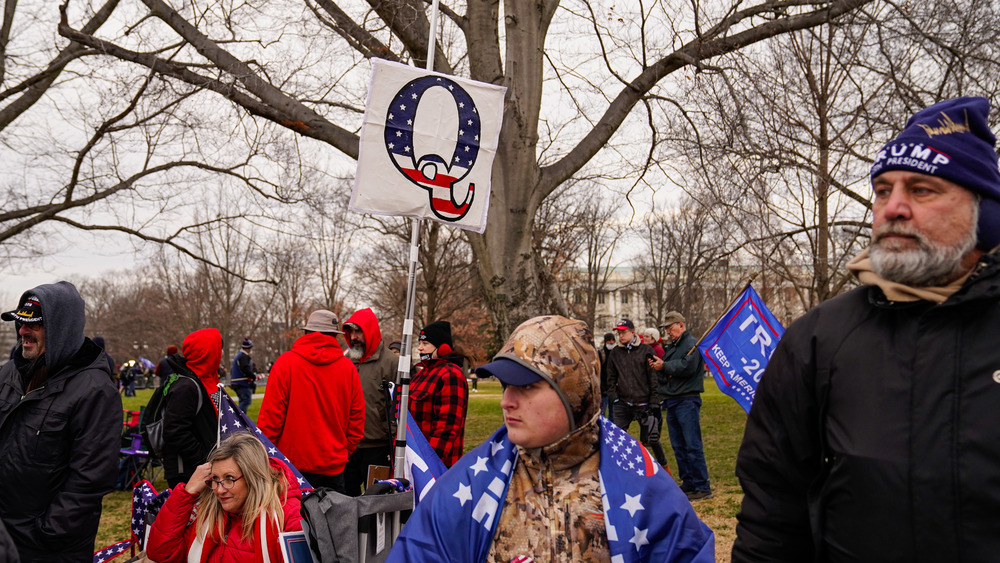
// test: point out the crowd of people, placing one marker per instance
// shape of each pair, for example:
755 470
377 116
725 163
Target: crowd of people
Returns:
870 438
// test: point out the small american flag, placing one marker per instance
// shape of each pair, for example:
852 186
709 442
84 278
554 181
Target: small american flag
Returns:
112 551
146 502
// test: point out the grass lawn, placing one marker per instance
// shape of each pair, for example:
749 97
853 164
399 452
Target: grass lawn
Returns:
722 423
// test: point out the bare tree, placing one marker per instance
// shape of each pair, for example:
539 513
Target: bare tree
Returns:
224 48
582 232
447 286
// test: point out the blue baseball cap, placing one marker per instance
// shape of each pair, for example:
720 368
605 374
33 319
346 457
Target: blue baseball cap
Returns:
508 371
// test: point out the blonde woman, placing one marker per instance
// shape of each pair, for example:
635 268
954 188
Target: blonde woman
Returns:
231 510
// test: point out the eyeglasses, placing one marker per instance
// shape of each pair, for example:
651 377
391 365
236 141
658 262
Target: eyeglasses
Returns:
227 483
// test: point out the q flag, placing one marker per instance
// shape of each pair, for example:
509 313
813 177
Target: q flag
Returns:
427 146
423 466
232 420
738 347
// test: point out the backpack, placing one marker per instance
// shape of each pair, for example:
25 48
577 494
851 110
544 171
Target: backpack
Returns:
151 421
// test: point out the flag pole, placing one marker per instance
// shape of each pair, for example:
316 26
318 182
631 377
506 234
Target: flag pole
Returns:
722 314
403 375
406 343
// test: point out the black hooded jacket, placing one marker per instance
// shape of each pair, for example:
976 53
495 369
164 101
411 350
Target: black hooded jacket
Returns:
59 442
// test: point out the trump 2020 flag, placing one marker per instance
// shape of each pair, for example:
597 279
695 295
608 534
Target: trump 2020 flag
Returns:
427 146
232 420
423 466
739 346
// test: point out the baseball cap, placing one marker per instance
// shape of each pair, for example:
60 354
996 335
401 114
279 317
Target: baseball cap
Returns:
509 371
625 324
671 318
28 312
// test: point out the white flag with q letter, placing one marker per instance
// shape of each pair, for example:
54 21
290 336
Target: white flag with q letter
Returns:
427 146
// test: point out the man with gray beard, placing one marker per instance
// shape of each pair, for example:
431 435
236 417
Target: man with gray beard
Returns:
376 368
873 432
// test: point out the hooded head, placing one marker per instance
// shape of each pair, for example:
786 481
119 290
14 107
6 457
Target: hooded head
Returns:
364 321
63 315
203 351
559 351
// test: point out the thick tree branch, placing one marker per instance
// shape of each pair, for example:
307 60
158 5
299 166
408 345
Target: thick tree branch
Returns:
705 47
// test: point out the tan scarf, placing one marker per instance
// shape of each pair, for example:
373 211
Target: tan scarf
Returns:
861 267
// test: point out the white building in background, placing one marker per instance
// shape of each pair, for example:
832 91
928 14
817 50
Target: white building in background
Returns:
626 296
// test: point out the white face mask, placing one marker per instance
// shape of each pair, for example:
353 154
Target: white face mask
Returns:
609 345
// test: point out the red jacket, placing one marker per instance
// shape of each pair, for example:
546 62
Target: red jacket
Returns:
313 408
171 537
439 399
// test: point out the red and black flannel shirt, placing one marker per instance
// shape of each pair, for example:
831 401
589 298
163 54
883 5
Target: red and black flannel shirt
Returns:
439 399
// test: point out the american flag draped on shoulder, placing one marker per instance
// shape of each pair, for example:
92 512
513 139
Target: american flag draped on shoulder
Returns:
738 347
646 516
232 420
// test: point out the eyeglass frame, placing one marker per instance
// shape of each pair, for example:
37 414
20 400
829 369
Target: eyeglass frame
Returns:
213 483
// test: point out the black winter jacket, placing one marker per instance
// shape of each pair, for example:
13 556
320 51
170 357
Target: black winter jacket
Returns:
683 374
189 432
8 551
59 442
630 378
874 433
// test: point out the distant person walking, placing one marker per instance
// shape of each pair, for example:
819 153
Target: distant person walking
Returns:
242 377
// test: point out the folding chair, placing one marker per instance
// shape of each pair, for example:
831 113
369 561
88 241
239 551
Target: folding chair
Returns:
148 467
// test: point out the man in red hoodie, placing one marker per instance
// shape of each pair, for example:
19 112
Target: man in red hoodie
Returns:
377 368
313 408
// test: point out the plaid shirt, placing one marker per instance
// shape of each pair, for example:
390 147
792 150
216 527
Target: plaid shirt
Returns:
439 398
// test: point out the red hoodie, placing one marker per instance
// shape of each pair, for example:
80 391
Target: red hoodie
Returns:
203 351
366 321
313 408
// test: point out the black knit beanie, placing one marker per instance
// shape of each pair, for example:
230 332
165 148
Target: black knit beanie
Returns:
437 333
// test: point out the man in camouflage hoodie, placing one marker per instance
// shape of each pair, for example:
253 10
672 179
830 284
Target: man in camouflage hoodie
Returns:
556 455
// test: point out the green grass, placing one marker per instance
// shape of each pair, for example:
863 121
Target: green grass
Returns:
722 422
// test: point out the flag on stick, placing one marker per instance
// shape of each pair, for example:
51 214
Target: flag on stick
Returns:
232 419
427 146
738 347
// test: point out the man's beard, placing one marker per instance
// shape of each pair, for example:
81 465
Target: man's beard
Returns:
356 351
928 265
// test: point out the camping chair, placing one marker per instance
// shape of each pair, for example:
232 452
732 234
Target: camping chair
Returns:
343 529
138 464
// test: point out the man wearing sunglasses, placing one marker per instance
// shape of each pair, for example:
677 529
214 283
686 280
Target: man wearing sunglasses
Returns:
60 425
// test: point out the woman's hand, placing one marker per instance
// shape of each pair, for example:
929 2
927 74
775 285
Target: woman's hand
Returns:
196 484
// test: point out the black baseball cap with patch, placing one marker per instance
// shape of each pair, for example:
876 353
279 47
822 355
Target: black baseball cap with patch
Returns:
29 312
